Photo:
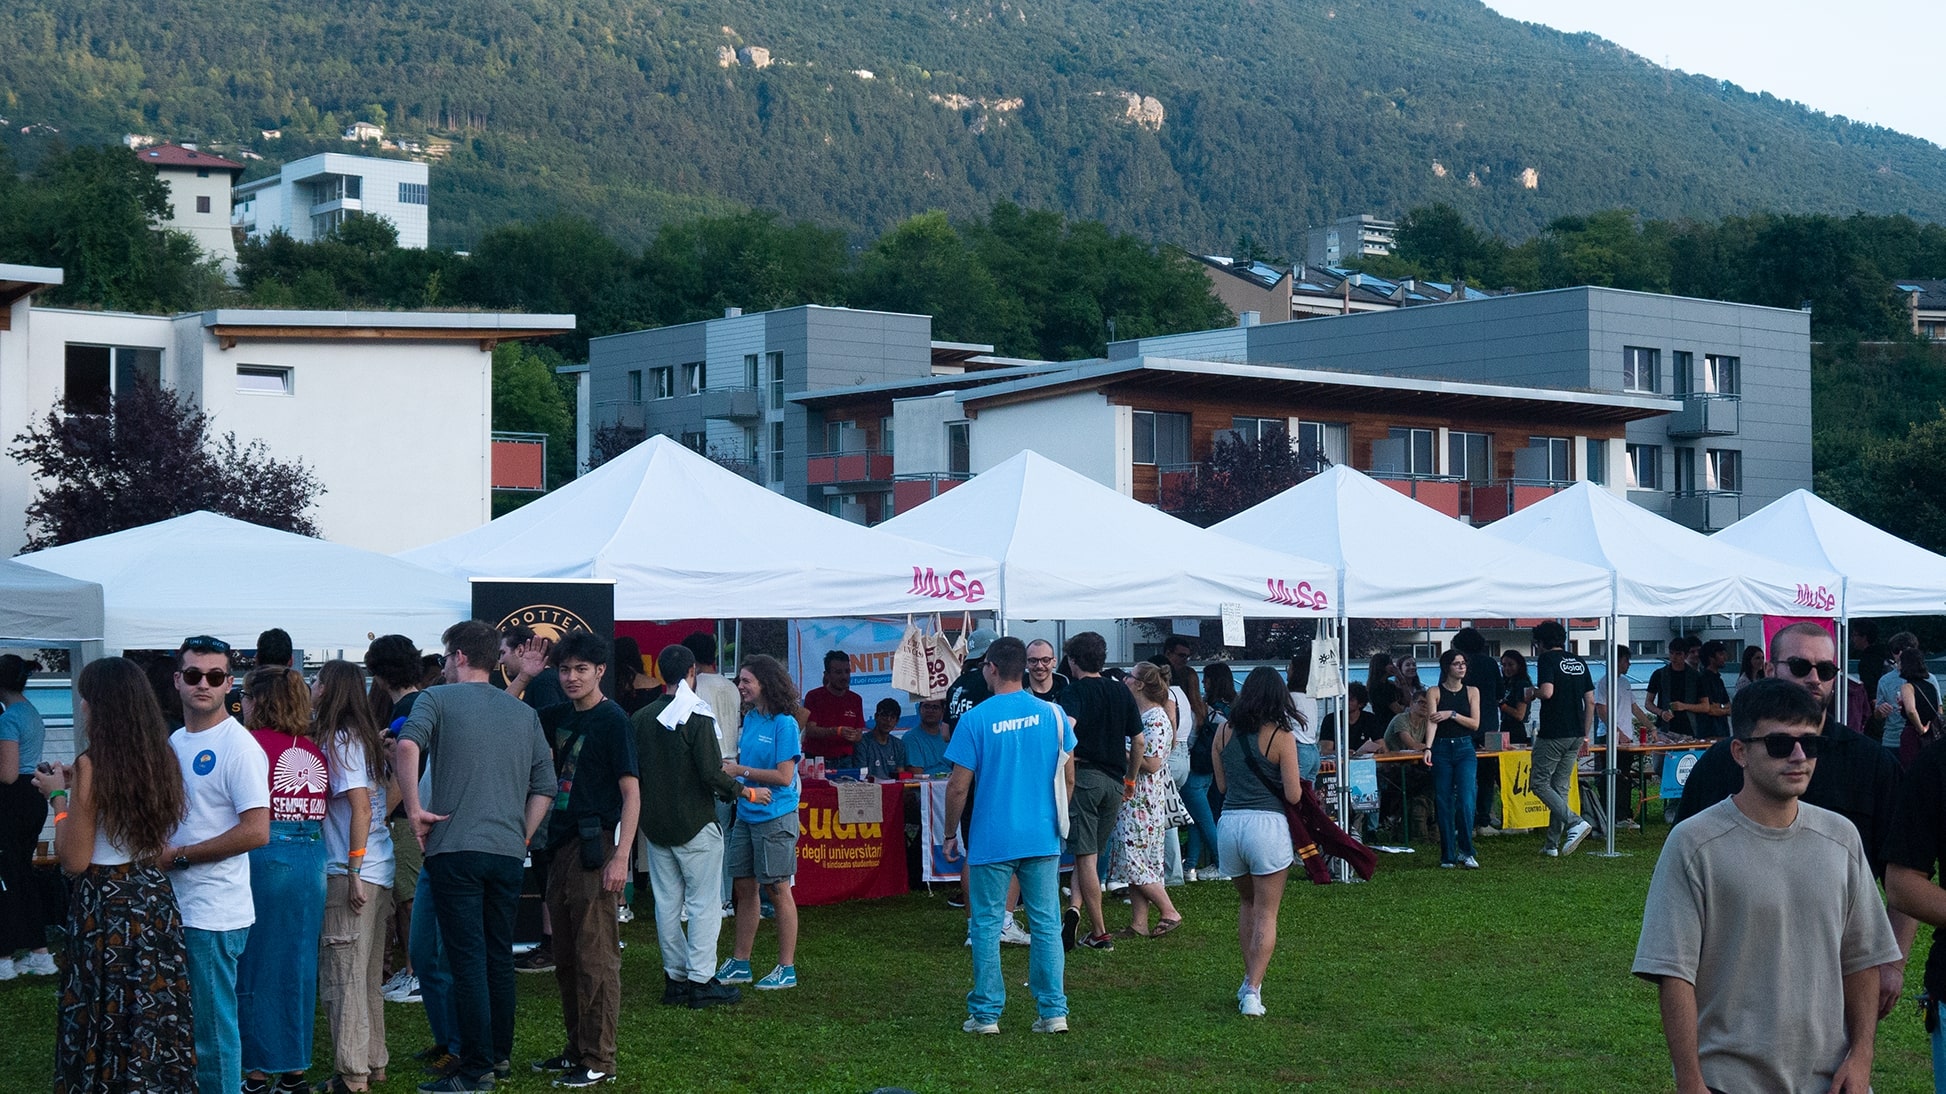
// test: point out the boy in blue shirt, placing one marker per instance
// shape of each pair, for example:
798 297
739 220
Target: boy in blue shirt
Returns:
1017 748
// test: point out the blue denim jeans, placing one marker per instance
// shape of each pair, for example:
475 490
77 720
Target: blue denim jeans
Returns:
477 894
429 965
277 977
1939 1059
1455 773
212 994
1040 898
1202 834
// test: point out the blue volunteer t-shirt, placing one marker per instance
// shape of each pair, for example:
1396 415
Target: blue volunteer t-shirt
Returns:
20 722
1012 744
926 751
768 740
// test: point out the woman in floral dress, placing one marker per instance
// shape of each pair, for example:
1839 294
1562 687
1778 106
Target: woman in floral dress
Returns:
1136 849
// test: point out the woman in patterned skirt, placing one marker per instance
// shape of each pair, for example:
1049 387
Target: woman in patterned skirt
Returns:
1135 850
125 1020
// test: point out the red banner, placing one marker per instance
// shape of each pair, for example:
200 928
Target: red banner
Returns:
838 862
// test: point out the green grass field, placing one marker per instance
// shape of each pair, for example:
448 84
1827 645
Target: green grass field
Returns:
1514 977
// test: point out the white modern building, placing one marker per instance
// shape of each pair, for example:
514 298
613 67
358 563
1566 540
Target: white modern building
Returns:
391 410
309 197
199 195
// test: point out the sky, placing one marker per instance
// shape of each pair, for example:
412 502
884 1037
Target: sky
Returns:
1869 60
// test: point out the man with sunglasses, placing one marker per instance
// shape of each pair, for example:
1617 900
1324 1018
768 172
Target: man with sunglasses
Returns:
1854 776
1763 930
226 778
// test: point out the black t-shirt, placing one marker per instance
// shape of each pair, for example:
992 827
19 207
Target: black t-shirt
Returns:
1105 719
1383 694
544 691
1056 684
1483 672
1367 726
1855 776
1918 838
1666 686
593 750
967 692
1513 693
1561 716
1712 689
402 710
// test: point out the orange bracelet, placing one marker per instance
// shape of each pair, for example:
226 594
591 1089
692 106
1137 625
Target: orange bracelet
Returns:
59 817
360 853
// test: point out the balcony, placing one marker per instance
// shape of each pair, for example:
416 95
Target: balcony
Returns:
1489 501
864 465
1706 414
1705 510
727 402
910 491
1443 493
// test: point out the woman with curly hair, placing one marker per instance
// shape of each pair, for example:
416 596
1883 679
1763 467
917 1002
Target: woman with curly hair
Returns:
762 848
277 976
358 878
1135 851
125 1021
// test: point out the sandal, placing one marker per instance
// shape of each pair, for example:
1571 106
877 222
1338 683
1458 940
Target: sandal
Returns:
1164 926
1130 932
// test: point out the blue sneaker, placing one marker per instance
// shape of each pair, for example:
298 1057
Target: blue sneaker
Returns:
733 972
781 977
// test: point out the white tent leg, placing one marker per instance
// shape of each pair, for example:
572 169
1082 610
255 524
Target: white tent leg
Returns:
1615 714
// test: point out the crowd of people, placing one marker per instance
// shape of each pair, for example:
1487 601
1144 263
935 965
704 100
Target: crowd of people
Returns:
241 851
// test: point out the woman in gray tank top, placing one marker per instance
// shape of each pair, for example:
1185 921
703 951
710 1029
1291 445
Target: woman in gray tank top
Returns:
1255 769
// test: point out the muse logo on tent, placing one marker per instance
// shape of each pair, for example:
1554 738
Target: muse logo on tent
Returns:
1301 595
1818 599
954 585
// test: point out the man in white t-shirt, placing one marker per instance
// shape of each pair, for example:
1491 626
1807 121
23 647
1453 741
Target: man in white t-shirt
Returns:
727 708
226 777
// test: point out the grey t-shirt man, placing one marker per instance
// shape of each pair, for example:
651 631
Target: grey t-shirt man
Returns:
487 756
1766 923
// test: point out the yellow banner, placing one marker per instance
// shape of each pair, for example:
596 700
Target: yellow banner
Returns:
1520 807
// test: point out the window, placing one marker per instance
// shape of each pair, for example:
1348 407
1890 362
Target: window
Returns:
1685 470
843 437
263 380
1594 461
1404 451
412 193
885 436
959 448
1640 368
1331 440
664 381
635 385
1470 455
1724 470
777 452
202 203
750 371
749 451
1254 430
694 377
1161 437
1552 465
202 173
94 374
696 442
354 187
1683 365
776 361
1644 467
1722 375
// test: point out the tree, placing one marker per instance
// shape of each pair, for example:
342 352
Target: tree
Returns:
149 458
530 397
1241 473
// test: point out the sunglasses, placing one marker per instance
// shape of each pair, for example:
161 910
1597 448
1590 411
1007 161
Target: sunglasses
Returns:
1780 745
203 643
1801 667
1040 660
193 677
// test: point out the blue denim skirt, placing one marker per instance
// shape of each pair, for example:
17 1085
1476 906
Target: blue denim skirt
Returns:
277 977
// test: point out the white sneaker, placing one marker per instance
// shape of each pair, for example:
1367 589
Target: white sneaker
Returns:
1574 837
36 964
404 988
974 1025
627 915
1189 875
7 970
1250 1003
1014 933
1056 1024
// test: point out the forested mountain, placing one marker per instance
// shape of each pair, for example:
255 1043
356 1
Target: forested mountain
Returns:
1191 121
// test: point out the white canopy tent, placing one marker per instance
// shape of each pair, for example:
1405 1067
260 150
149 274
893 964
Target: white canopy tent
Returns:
208 574
1662 568
1884 575
42 608
1071 548
683 537
1402 559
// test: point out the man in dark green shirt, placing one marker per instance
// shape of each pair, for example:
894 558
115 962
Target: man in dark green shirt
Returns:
682 776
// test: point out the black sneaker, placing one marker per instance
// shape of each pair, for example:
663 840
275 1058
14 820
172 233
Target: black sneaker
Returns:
429 1053
956 898
675 993
538 959
1070 924
503 1071
563 1062
443 1066
581 1076
292 1083
256 1086
713 994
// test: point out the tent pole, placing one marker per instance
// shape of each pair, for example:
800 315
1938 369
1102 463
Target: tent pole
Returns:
1844 656
1346 819
1615 714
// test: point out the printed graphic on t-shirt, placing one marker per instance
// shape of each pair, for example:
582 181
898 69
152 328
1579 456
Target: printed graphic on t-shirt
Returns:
298 786
204 763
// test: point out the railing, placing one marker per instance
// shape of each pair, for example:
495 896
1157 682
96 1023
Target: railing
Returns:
1705 510
1489 501
1707 414
714 402
1443 493
863 465
911 490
